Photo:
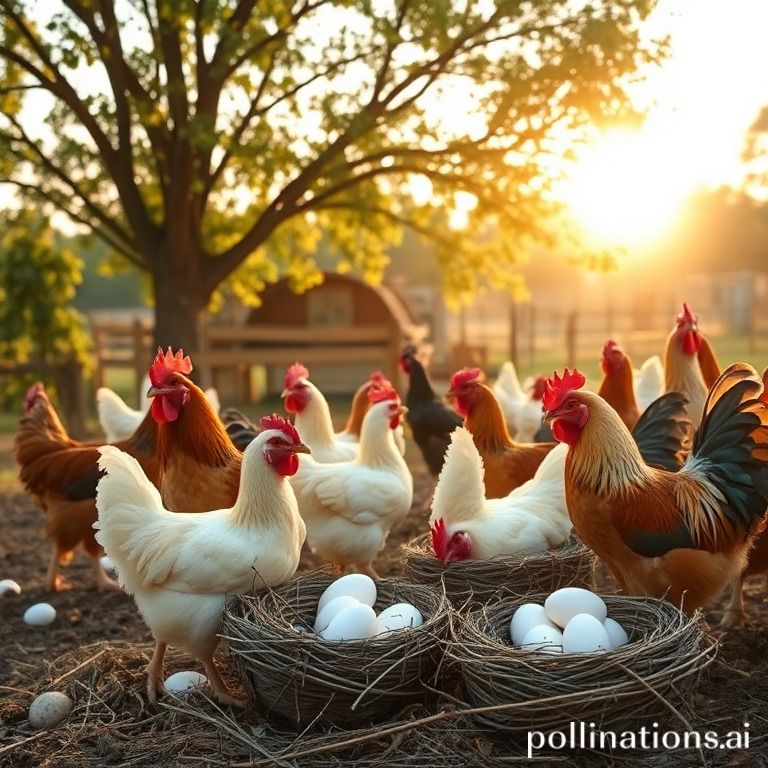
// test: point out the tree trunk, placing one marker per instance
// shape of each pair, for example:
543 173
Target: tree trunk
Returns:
179 303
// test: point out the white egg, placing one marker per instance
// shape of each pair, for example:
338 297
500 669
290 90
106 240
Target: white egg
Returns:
524 618
585 634
39 614
544 638
398 616
180 683
108 565
49 709
561 606
616 633
356 585
9 587
331 608
358 622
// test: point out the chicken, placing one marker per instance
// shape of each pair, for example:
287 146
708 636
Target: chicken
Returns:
350 507
312 417
465 525
61 474
119 421
239 427
510 396
682 370
180 567
649 382
508 464
682 535
618 386
431 420
200 465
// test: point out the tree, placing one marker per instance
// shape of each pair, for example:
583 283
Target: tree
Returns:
38 325
215 142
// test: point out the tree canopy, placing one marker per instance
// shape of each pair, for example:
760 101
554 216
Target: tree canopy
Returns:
215 142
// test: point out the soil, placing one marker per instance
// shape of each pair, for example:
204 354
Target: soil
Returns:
104 633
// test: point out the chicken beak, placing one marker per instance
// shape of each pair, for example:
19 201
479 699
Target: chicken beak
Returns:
403 410
155 391
300 448
285 393
451 394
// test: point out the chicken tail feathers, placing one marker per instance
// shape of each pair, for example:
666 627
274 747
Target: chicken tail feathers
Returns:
731 445
662 432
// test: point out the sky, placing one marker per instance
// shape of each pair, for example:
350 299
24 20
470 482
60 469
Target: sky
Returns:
628 187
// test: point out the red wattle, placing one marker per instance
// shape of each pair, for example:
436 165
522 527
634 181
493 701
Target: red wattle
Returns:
565 432
691 342
287 465
293 404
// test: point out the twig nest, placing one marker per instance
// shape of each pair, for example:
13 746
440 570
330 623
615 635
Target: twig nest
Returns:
39 614
9 587
49 709
652 675
307 678
475 582
181 683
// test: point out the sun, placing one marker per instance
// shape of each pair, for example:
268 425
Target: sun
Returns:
625 189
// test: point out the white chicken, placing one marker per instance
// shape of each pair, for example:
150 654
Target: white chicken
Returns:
465 525
649 382
182 567
350 507
119 421
312 417
521 406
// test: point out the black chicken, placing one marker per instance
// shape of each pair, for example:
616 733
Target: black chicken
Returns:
430 419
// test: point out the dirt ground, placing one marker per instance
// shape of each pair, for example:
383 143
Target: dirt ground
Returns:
96 635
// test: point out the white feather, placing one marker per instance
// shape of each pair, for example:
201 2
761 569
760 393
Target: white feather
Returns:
649 382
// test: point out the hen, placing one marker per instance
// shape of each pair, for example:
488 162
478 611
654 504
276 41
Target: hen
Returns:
618 386
682 370
431 420
680 535
181 568
350 507
200 465
508 464
312 417
61 474
465 525
119 421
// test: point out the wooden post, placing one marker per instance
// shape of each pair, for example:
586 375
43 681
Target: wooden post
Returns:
71 391
140 363
202 364
513 317
571 334
531 333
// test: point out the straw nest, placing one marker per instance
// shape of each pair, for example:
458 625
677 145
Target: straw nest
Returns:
651 676
289 671
476 581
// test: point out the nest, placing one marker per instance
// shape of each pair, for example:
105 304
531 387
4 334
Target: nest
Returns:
654 674
476 581
290 672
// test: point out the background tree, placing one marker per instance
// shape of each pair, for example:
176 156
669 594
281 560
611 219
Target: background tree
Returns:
38 325
213 141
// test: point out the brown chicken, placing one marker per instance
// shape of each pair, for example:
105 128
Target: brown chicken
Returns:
200 465
618 386
507 464
685 534
690 366
61 474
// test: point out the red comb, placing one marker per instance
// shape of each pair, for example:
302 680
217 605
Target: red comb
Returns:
294 373
378 379
278 422
379 394
439 538
559 388
539 387
686 316
35 391
465 376
610 346
166 363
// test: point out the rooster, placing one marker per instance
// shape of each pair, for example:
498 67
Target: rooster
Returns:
683 535
119 421
431 420
200 465
181 568
465 525
508 464
683 371
312 417
350 507
62 473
